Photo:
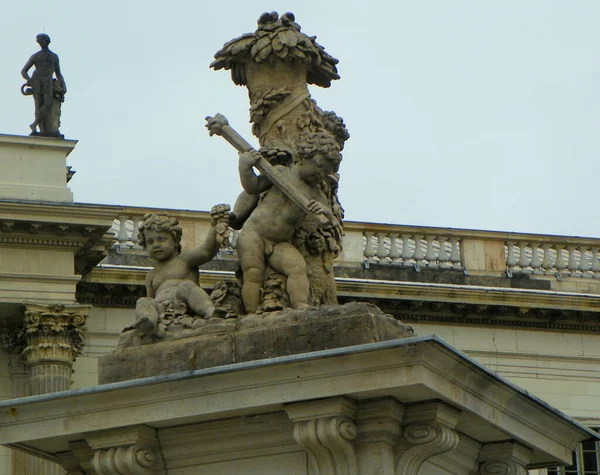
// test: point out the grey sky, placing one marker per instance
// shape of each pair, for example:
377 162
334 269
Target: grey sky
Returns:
463 113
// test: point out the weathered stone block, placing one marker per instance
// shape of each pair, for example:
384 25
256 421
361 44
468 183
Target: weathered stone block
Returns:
256 337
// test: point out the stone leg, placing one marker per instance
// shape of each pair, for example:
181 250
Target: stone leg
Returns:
146 315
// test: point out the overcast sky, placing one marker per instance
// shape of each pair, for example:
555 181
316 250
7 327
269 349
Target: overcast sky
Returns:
462 113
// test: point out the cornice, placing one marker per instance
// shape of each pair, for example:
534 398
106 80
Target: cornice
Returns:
356 226
48 143
58 213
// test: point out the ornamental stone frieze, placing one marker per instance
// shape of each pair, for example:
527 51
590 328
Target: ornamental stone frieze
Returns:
326 430
428 432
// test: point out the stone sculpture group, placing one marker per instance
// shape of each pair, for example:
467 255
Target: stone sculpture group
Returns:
289 216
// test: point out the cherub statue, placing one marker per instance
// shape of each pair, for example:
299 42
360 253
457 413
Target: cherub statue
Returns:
265 236
172 286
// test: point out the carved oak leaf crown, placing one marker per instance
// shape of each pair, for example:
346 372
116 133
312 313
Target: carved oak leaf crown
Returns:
277 39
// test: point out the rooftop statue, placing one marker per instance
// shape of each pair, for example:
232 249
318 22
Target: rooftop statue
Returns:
48 88
175 305
290 228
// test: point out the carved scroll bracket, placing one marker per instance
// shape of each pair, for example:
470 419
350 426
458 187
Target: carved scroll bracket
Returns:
126 451
428 432
504 458
325 428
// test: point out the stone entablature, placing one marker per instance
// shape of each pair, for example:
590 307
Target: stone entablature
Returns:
343 410
46 247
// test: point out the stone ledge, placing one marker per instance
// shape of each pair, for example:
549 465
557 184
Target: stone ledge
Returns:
255 337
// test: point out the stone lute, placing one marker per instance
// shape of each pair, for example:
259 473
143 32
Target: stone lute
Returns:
218 125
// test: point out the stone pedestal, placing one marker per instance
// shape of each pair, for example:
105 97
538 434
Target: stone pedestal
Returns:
253 337
34 168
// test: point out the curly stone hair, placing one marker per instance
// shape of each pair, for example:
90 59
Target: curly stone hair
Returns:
160 222
335 124
319 142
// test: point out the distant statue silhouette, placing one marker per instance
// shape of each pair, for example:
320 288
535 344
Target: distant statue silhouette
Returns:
48 91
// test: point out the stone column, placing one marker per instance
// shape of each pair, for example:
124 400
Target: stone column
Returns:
428 432
326 430
53 337
504 458
44 347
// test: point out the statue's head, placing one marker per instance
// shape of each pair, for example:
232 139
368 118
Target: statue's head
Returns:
160 222
43 39
322 144
335 124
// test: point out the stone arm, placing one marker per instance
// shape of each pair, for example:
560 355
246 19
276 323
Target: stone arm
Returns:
203 253
150 290
252 183
25 71
60 77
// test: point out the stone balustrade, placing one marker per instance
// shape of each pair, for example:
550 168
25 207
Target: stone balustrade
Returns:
420 247
571 257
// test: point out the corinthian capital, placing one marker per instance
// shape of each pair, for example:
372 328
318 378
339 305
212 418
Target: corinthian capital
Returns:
53 332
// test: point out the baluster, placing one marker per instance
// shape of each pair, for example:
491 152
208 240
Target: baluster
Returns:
596 262
443 255
122 237
560 263
455 256
572 264
430 255
135 232
547 262
524 259
419 254
394 251
584 262
511 258
536 261
369 250
381 250
406 250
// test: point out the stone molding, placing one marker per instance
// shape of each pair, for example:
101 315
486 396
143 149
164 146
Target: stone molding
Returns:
326 430
428 432
127 451
505 458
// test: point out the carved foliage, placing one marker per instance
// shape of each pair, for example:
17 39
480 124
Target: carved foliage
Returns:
425 441
277 39
328 441
53 332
